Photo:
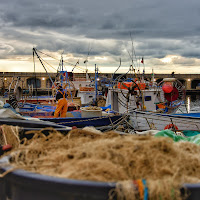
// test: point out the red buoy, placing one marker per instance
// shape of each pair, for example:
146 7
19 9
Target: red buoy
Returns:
167 87
7 147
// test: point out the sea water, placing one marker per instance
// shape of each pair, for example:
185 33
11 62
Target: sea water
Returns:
192 104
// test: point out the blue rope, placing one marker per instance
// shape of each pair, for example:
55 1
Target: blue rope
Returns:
145 189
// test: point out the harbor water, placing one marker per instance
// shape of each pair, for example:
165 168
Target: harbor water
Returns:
192 104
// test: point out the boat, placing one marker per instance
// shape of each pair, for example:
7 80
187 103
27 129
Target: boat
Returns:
81 122
73 117
152 105
129 93
86 95
8 117
178 122
85 89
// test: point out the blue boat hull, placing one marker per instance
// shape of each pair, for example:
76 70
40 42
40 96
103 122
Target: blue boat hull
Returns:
82 122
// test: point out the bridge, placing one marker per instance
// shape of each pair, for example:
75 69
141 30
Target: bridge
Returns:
190 81
42 80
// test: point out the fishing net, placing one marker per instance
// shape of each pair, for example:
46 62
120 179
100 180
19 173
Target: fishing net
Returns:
91 108
9 135
139 164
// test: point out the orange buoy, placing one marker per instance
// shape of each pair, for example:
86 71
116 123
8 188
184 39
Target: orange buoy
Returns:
171 126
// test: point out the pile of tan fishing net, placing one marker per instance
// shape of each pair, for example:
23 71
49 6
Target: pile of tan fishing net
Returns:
91 108
141 165
9 135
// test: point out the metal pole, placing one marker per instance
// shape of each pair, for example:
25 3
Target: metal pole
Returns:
96 76
35 73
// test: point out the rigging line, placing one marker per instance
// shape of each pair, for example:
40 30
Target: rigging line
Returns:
133 48
49 69
98 69
135 68
89 50
86 61
44 67
138 64
130 57
48 64
117 68
55 58
75 65
79 68
35 75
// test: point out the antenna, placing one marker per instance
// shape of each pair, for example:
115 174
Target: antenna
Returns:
86 61
133 49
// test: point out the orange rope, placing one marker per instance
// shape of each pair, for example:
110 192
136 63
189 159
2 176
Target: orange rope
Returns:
140 188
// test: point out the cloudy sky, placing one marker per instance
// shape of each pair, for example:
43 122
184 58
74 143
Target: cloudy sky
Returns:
165 33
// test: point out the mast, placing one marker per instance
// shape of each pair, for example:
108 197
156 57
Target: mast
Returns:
96 81
34 51
152 78
142 61
35 73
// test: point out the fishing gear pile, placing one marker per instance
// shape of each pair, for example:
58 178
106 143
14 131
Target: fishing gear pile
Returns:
144 167
91 108
9 138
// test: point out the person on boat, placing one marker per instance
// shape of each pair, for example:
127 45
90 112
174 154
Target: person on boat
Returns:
62 105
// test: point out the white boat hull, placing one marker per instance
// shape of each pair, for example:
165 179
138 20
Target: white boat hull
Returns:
148 120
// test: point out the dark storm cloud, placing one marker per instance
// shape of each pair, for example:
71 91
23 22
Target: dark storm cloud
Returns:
191 54
158 28
44 15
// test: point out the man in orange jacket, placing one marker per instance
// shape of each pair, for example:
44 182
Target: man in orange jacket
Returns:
62 106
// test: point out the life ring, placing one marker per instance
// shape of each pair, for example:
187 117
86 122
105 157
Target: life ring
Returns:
171 126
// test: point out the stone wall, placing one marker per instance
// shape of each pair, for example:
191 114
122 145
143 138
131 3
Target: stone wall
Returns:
7 78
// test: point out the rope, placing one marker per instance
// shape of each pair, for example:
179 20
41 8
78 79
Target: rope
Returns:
122 120
14 132
7 171
111 121
140 188
79 68
130 125
145 189
3 133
